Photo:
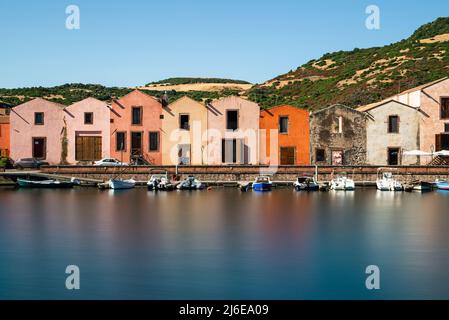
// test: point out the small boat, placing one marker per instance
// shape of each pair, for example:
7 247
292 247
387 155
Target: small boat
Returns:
306 183
386 181
420 186
442 185
262 183
122 184
191 183
342 183
160 182
47 184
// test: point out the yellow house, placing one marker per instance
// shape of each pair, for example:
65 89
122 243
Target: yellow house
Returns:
184 137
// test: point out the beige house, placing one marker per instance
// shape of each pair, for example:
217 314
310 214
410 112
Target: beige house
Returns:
433 100
183 133
392 127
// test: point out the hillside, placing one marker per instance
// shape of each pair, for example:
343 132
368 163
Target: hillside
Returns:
198 84
362 76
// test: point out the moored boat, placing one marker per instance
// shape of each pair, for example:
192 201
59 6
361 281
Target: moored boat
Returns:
306 183
47 184
442 185
386 181
160 182
262 183
116 184
191 183
342 183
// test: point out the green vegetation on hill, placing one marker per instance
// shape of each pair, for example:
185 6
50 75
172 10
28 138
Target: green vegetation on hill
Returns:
70 93
361 76
176 81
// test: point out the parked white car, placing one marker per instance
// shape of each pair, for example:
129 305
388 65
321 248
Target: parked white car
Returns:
109 162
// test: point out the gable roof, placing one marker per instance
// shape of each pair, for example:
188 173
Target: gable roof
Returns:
137 91
86 99
372 106
422 87
338 105
185 98
55 104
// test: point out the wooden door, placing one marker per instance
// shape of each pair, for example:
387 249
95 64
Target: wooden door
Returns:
88 148
287 156
39 148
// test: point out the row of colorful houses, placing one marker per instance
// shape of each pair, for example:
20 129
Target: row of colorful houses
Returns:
231 130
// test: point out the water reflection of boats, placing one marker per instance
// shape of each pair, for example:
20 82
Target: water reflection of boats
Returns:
262 183
159 181
419 186
191 183
386 181
342 183
442 185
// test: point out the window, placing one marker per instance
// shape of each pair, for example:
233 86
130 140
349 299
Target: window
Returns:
136 116
184 122
393 124
340 124
320 155
154 141
283 124
232 120
444 113
88 118
38 118
120 141
446 127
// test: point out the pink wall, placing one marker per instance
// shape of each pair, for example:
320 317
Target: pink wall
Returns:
23 129
74 115
430 105
248 120
151 122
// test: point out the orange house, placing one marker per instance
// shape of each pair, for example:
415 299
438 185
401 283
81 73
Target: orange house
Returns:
4 135
291 127
136 121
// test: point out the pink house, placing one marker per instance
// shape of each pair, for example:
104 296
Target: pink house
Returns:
233 129
37 131
136 122
88 130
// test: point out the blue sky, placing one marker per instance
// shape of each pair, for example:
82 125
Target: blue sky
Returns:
133 42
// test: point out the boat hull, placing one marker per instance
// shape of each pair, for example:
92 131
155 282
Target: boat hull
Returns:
443 185
304 187
122 184
45 184
262 187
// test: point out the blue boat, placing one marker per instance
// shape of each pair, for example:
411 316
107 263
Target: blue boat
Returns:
262 183
442 185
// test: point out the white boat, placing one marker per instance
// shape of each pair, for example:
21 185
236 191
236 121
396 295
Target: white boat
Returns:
306 183
159 181
342 183
122 184
191 183
386 181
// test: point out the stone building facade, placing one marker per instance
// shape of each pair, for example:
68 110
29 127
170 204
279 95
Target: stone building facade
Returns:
338 136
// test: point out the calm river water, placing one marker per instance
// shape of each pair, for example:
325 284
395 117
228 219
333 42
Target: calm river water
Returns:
223 244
